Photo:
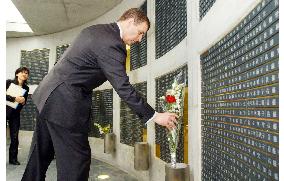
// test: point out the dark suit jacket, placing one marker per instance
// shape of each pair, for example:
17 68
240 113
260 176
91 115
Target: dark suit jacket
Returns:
98 54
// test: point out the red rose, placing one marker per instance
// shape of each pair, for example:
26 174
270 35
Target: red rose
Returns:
170 99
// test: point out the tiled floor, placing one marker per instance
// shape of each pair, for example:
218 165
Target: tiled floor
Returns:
98 169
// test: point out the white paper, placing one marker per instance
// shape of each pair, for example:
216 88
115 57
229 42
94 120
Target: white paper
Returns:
14 91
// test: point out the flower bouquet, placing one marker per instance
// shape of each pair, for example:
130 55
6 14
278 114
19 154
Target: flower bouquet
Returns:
173 102
109 138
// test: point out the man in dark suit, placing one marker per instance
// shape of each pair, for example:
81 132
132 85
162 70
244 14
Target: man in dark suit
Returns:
63 98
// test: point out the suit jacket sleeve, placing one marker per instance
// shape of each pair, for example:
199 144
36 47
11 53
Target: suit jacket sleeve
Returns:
112 64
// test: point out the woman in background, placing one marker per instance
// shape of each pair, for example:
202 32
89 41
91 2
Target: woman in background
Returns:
13 115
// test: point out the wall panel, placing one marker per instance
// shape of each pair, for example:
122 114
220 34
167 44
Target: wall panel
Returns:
240 100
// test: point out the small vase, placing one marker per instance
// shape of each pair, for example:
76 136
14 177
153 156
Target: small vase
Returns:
109 143
141 156
179 173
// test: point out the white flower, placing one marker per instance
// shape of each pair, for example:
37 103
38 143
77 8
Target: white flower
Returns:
175 84
170 92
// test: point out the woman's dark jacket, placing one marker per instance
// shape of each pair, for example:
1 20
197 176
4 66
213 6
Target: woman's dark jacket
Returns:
12 99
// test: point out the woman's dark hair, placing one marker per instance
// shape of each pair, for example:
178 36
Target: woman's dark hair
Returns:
21 69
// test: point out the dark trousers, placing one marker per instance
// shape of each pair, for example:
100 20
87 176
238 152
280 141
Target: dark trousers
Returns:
14 125
73 155
61 129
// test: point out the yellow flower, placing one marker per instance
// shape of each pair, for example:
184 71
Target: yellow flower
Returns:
103 130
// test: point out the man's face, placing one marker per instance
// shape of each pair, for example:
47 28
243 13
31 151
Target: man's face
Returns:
134 32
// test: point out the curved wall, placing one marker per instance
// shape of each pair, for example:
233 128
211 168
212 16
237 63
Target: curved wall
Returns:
201 35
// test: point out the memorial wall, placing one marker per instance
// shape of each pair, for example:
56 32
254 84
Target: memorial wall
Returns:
132 129
60 51
101 112
204 7
28 115
171 25
37 61
138 51
240 100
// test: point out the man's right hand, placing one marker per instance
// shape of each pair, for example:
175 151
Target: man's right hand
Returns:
166 119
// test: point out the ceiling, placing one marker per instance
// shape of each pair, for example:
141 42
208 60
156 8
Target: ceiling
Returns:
51 16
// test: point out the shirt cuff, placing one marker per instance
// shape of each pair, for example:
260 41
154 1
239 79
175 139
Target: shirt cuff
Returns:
151 118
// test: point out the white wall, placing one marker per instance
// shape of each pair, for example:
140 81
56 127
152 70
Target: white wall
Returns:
221 18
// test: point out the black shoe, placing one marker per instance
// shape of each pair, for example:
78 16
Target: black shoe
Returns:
14 162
